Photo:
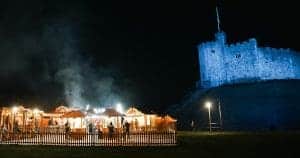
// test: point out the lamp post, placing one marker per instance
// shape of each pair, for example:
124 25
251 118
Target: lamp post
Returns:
208 106
220 115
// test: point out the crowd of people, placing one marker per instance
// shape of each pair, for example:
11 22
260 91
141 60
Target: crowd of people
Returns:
111 129
92 129
125 130
4 132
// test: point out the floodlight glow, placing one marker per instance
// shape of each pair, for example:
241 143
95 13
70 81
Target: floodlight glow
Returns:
35 111
208 105
15 109
101 110
87 107
119 108
98 110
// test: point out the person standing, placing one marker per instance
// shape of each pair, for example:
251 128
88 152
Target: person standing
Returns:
127 128
192 125
122 121
91 128
67 130
110 129
100 133
4 133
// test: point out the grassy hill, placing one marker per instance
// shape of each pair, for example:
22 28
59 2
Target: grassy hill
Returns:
265 105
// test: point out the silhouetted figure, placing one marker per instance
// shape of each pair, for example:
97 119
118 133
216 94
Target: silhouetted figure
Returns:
192 125
122 120
110 129
4 133
91 128
127 128
50 122
100 133
16 128
67 130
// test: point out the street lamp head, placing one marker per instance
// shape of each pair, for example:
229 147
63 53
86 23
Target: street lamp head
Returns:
208 105
15 109
119 108
35 111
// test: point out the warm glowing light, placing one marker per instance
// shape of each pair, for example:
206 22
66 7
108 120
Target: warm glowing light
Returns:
15 109
148 123
208 105
36 111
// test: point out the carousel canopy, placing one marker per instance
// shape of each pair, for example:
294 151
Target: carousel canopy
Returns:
134 112
61 109
112 112
73 114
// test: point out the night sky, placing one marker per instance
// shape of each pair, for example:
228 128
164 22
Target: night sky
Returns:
138 53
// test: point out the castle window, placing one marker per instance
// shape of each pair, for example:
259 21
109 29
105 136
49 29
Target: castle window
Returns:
238 56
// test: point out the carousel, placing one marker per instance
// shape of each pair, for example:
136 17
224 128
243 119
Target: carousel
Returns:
21 119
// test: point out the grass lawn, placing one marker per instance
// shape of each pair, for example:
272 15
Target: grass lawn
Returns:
190 144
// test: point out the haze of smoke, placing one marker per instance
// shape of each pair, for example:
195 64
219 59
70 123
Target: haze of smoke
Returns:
82 84
50 63
42 60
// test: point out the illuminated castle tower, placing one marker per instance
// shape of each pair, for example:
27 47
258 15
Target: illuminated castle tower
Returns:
221 63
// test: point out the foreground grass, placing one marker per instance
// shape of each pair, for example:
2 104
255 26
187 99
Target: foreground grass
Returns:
191 144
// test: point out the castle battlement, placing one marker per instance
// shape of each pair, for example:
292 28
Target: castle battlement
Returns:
207 44
249 43
281 50
222 63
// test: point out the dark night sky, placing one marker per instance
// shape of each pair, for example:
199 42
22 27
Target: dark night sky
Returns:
142 52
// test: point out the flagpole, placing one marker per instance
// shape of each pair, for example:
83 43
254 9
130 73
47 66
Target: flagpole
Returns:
218 19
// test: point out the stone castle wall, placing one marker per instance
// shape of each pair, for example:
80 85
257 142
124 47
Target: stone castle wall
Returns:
221 63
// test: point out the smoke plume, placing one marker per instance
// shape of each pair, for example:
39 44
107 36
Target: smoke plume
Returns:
44 62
